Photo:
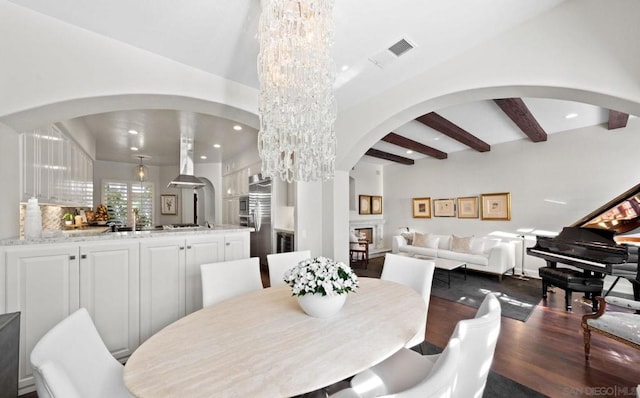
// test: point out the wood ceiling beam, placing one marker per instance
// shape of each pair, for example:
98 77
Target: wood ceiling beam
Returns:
617 119
517 111
415 146
449 129
389 156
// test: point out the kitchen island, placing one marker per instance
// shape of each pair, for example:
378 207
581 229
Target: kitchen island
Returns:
132 283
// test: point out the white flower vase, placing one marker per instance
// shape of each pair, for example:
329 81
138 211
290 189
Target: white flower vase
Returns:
319 306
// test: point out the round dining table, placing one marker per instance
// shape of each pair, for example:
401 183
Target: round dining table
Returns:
262 344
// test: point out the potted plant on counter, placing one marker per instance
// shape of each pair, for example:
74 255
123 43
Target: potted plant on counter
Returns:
67 218
321 285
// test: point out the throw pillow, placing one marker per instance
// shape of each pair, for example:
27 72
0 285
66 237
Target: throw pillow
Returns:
461 244
408 236
420 240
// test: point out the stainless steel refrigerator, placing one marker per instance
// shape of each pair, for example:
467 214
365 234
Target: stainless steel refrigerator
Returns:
260 216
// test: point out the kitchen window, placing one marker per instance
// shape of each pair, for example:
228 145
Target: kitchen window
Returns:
121 197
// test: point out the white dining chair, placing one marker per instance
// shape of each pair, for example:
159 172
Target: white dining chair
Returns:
279 263
478 338
438 382
227 279
418 275
71 361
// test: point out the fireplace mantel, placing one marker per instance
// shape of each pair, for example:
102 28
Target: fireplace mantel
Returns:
376 224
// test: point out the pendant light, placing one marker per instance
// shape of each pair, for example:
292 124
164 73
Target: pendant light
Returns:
141 170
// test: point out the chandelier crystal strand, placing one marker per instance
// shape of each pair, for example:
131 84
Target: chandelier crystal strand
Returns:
296 103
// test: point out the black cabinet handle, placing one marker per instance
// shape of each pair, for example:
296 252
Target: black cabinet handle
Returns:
181 247
72 257
189 247
83 256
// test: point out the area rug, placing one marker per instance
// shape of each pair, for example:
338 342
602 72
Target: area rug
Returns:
497 385
518 297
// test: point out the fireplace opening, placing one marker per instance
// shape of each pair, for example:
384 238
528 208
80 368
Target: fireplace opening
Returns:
367 233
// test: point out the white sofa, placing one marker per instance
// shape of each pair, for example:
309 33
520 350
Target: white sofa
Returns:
485 254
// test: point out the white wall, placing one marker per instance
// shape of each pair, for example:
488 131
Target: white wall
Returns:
213 173
10 199
584 168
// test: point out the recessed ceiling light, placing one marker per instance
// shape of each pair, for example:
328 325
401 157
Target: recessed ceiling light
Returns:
133 132
409 152
133 148
203 157
216 145
344 68
437 139
237 127
571 115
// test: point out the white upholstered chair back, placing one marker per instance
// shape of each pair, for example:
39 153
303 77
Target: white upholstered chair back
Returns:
443 377
279 263
227 279
415 273
435 381
71 361
478 338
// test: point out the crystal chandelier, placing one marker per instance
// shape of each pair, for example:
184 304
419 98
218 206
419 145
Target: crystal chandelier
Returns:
296 103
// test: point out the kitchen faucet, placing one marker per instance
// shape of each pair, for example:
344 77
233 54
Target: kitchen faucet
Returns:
135 219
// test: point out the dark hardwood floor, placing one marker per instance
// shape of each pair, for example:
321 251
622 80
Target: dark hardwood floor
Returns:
545 353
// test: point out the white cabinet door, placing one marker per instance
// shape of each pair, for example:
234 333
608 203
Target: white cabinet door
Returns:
200 250
43 285
162 284
236 246
109 290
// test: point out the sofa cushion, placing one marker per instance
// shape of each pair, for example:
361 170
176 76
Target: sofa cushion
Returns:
423 251
490 244
477 245
466 257
426 240
461 244
444 242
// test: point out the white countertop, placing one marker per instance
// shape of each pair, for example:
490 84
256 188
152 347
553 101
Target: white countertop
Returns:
99 235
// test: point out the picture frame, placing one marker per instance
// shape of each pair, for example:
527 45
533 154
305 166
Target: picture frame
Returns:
365 204
444 207
376 205
468 207
421 207
169 204
496 206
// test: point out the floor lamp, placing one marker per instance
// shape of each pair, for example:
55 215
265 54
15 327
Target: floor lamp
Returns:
523 239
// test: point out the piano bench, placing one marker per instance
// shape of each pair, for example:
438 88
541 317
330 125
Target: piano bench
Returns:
571 281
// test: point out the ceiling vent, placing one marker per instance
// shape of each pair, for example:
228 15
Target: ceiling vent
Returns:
400 47
386 56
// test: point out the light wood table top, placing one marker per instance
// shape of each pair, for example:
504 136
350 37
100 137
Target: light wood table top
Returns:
262 345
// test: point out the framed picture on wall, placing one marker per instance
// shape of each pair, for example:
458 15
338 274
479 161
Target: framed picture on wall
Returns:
495 206
169 204
444 208
421 207
468 207
376 205
365 204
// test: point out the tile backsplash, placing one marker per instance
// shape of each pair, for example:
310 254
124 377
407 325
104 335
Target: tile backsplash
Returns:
51 216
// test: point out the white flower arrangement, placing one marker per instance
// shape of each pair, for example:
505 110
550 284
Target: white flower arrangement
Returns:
321 275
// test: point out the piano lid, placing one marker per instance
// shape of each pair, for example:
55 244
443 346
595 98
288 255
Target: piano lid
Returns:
619 215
